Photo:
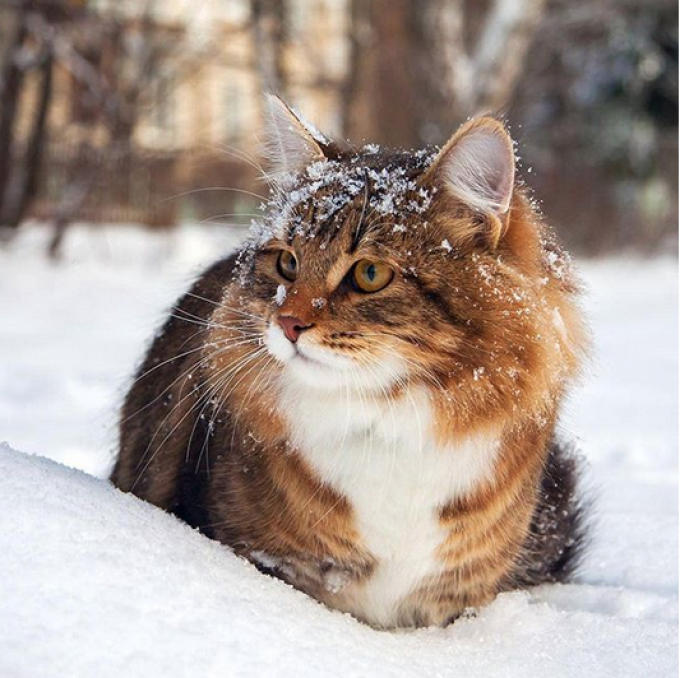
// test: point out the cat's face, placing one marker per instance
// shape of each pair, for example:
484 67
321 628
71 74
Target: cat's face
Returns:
339 287
373 270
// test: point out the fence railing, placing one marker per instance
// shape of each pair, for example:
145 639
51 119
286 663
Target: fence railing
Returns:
132 185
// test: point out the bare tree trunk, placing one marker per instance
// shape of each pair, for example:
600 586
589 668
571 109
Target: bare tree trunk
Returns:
74 197
497 63
11 78
484 78
359 36
23 186
436 116
268 20
445 23
383 104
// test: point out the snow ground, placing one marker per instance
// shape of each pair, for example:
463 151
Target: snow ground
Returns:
94 582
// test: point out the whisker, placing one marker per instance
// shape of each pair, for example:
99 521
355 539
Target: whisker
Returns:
228 344
213 188
160 426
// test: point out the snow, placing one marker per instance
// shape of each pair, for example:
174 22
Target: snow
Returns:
280 296
95 582
334 185
370 149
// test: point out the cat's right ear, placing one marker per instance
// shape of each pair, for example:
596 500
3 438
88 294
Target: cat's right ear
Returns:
476 168
291 143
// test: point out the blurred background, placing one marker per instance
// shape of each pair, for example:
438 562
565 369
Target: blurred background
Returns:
129 134
135 111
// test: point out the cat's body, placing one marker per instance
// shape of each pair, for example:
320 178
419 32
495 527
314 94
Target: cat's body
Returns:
389 451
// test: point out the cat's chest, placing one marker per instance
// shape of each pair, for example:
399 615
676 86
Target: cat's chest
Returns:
383 459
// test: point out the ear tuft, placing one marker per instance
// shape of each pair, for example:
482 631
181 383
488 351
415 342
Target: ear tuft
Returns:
291 143
477 166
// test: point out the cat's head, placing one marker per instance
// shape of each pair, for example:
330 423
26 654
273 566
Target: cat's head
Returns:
372 269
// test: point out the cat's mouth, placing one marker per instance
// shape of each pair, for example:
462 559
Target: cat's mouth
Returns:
302 353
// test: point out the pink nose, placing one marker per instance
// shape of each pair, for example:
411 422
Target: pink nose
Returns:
292 327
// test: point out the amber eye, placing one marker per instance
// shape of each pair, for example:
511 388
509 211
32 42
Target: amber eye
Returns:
371 276
287 265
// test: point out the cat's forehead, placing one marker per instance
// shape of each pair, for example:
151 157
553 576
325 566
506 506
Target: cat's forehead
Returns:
330 196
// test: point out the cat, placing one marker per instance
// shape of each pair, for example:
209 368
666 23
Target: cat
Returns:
362 400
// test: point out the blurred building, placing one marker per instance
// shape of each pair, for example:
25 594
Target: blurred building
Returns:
187 80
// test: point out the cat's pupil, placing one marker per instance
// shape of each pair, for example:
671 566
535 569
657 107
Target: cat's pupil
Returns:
370 272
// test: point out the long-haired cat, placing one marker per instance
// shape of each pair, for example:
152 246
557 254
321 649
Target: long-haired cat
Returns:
363 400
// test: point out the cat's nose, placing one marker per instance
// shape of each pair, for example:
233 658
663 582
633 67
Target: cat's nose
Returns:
292 327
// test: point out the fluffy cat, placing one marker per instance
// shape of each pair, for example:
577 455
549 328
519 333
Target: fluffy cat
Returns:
363 400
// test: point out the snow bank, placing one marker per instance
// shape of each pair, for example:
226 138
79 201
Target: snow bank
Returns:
98 583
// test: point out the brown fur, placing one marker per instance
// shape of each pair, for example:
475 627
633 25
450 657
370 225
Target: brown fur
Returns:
479 326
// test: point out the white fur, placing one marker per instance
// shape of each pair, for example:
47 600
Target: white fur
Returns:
384 459
480 170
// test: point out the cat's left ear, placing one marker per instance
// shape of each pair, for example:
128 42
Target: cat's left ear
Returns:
291 143
476 168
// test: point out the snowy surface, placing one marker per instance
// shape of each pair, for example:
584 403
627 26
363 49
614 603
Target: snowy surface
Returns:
94 582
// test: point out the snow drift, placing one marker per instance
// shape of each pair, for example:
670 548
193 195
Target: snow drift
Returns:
96 582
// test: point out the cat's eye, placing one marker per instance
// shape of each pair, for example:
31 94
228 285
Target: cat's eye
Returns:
287 265
371 276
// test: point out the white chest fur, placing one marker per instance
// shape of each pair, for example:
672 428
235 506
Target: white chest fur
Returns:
383 458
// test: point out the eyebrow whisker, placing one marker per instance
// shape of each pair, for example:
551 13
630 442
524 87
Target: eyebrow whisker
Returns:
359 233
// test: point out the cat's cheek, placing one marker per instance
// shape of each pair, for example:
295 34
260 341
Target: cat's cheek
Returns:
277 344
